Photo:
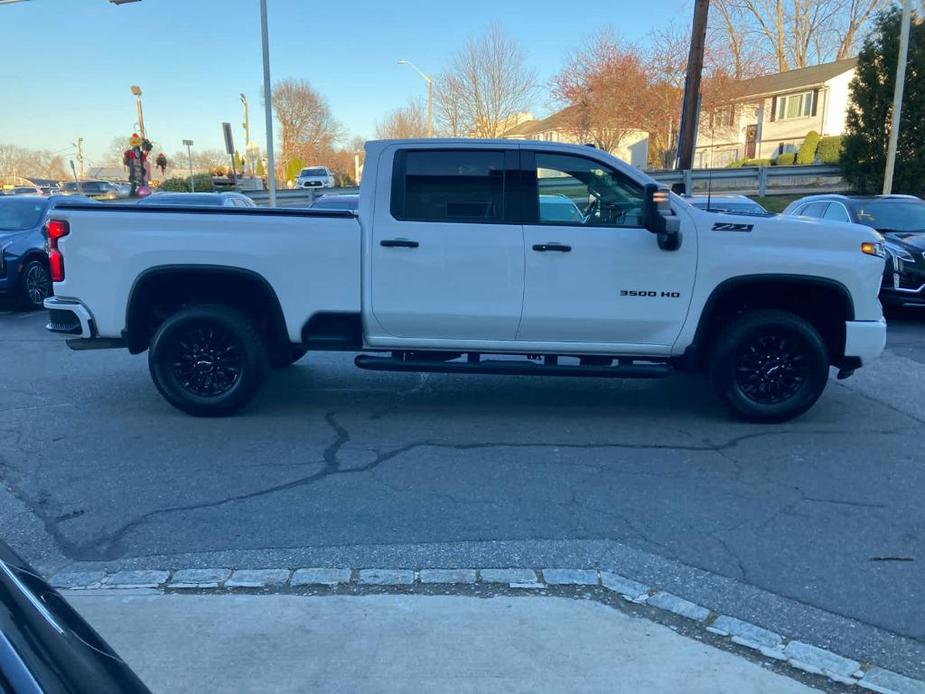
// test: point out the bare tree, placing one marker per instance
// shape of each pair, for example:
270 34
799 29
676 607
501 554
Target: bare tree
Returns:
606 89
306 124
203 159
403 123
448 104
796 33
22 162
487 84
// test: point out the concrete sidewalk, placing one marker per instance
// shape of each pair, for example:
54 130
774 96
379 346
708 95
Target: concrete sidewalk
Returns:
408 643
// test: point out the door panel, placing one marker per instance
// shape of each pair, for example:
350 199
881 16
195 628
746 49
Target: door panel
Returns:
446 262
614 285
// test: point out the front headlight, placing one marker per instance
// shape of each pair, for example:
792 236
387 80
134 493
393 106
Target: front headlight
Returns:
873 248
898 251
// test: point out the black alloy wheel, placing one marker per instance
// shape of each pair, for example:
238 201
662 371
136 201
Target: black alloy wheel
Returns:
36 285
772 368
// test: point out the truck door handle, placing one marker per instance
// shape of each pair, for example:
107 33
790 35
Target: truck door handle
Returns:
398 243
543 247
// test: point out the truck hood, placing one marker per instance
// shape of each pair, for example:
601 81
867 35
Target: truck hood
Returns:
800 231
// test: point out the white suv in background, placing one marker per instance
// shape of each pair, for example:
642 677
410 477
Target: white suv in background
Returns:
315 177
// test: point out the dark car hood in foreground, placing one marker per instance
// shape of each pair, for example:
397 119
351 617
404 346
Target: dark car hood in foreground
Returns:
41 631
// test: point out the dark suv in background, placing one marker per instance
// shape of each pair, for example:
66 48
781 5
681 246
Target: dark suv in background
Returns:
24 273
901 220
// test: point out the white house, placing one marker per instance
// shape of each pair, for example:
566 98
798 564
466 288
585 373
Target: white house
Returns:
772 114
633 148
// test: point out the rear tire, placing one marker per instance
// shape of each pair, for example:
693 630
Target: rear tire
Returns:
208 360
35 285
769 366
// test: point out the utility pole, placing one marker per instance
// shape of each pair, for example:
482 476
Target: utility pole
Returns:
687 137
247 137
268 102
898 97
80 155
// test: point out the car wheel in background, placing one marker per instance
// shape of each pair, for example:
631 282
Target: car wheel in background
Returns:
35 285
769 366
208 360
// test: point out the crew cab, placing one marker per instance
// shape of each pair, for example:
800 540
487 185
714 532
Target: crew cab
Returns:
457 261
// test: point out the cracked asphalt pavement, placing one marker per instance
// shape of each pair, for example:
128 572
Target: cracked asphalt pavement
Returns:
813 528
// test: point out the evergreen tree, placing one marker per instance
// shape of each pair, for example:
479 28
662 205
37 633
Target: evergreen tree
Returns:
867 132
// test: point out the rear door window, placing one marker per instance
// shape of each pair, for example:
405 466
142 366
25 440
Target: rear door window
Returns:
449 186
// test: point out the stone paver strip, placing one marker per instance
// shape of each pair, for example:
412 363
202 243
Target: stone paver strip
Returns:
320 577
522 576
78 579
570 577
258 578
199 578
447 575
820 661
679 606
386 577
137 579
628 588
888 682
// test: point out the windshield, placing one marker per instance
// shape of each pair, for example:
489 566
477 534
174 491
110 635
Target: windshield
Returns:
314 172
17 215
895 215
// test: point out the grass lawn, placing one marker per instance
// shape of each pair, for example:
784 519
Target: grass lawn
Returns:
775 203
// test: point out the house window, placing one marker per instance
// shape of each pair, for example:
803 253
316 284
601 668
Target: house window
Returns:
795 106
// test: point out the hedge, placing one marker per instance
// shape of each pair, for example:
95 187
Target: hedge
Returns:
786 159
807 152
738 163
203 184
829 149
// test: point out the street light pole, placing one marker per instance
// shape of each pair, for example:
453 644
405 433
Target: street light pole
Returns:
268 102
136 90
897 97
430 94
189 154
247 137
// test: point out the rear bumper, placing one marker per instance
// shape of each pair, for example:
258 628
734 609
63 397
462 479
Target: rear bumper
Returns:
865 340
69 317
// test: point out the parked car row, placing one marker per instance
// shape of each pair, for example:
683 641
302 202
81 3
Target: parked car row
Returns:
24 268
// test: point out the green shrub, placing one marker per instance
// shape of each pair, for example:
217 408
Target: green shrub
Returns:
807 153
786 159
829 149
177 184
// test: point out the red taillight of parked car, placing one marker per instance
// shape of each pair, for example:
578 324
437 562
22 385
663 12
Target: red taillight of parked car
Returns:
56 229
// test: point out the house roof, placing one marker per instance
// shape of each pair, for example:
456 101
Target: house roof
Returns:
812 76
531 127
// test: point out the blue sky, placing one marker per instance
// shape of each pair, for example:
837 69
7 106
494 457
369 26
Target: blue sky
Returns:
68 64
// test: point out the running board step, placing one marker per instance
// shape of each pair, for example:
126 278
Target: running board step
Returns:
627 369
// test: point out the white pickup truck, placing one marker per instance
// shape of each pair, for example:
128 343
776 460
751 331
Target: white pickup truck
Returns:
480 257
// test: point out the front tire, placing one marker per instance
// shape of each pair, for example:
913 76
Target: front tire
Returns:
35 285
769 366
208 360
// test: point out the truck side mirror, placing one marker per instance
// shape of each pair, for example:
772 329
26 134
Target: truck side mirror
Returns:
658 218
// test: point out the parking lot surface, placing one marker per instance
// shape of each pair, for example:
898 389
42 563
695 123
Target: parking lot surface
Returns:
813 527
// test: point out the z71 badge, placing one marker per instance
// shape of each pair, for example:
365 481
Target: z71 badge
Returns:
729 226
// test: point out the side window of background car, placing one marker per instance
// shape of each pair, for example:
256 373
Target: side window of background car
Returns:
580 191
449 186
814 209
836 212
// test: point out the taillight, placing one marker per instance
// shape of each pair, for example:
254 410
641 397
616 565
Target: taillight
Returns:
56 229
